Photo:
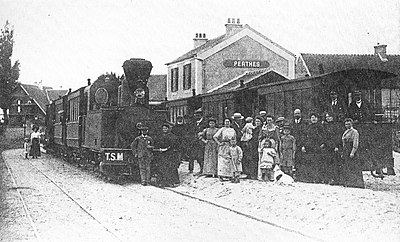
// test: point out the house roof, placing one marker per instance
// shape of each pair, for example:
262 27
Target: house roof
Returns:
157 87
55 94
42 96
250 79
206 46
213 42
327 63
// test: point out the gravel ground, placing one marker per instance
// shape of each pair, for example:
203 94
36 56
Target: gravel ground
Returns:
147 213
329 212
134 212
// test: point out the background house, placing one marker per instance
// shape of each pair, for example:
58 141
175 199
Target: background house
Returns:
29 105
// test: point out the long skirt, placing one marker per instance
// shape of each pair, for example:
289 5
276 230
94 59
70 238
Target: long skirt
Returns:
252 157
35 148
225 166
168 165
351 174
309 168
210 158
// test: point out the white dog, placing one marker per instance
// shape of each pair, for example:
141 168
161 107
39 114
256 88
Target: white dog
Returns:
282 178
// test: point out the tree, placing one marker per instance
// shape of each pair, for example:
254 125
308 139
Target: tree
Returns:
9 73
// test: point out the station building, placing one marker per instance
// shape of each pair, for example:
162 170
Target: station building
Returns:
241 50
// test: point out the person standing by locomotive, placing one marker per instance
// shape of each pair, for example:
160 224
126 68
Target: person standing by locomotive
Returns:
35 142
313 146
142 150
197 146
166 156
180 129
352 168
211 149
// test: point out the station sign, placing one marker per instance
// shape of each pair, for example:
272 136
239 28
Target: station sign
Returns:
246 64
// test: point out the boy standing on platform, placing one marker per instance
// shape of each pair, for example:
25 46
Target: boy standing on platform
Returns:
142 150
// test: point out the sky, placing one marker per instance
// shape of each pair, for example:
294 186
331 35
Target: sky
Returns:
63 43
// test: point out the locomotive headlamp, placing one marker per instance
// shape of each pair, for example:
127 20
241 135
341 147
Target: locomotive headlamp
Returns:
139 93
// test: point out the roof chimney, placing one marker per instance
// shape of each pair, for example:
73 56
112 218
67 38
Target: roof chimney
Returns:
88 82
380 50
199 39
233 26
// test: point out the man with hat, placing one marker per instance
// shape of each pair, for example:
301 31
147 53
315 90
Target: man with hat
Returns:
359 110
280 121
142 150
196 145
263 114
237 125
180 129
336 107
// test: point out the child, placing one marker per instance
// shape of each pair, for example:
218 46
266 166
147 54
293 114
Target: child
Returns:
236 155
247 130
26 148
288 151
142 150
267 160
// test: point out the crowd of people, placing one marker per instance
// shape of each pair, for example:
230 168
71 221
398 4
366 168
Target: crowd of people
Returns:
317 151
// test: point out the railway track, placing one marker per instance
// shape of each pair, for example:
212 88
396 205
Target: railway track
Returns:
29 216
115 233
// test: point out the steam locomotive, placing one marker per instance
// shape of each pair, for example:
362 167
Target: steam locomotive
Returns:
95 125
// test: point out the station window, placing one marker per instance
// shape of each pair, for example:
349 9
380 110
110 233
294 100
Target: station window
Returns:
174 79
19 106
187 77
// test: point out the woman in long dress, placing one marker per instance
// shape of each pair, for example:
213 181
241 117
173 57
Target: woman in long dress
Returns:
250 153
222 138
166 157
210 149
352 168
313 152
35 139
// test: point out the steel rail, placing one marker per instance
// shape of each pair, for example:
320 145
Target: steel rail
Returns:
242 214
28 215
114 233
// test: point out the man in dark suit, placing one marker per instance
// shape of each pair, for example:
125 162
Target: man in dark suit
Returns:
197 146
359 110
299 126
336 107
181 129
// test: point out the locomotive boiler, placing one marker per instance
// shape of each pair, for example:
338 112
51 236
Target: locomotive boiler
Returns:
95 125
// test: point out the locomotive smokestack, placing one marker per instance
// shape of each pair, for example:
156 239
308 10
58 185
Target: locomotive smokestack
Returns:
137 72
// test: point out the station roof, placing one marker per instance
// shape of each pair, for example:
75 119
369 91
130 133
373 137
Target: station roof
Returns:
317 64
249 79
